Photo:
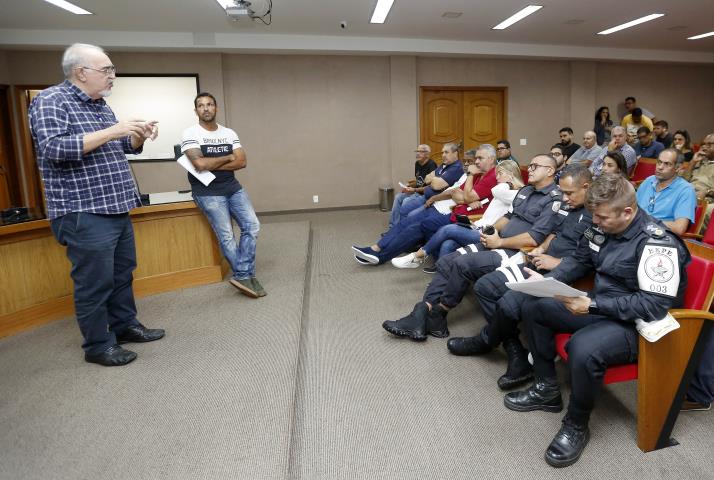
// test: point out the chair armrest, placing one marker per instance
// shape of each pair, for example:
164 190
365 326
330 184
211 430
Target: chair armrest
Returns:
688 313
694 236
526 249
475 217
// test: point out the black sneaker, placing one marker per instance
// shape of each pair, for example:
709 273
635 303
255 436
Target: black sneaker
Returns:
430 269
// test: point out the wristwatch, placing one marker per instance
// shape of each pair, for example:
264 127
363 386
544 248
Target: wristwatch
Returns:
593 307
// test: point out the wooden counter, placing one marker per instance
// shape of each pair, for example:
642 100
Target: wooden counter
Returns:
175 248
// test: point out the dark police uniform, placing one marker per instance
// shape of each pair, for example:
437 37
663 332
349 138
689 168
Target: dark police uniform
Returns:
640 273
533 211
500 305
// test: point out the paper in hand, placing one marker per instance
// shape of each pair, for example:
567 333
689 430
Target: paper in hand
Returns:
402 185
204 177
545 287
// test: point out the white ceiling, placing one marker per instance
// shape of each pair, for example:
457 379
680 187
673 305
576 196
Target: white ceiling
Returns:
413 27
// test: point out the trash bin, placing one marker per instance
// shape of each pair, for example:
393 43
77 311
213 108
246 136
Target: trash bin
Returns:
386 198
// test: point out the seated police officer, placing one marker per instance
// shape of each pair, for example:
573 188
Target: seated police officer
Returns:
528 224
640 272
502 307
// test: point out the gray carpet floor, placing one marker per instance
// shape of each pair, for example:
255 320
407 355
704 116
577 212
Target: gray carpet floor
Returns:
302 384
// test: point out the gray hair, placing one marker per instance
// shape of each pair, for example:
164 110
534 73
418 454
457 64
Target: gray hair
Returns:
488 148
619 128
452 147
75 56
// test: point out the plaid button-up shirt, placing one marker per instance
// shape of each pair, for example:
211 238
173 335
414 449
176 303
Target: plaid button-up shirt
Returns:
97 182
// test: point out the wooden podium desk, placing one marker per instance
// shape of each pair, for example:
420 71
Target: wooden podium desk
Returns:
175 248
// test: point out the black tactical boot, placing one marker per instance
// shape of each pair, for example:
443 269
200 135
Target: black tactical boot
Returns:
568 444
436 322
476 345
412 326
544 395
519 371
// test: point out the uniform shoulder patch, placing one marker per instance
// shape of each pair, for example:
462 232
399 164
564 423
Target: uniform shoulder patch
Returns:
556 208
555 193
595 236
658 271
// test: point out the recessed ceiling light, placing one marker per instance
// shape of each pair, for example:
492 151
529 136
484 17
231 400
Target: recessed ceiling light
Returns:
452 14
381 10
703 35
517 17
69 7
631 24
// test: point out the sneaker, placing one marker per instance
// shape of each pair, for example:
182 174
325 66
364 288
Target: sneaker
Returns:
362 261
366 253
692 406
430 270
245 286
408 261
258 287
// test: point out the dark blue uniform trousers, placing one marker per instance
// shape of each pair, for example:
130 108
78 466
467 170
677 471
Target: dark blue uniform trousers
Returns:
456 273
597 342
701 390
501 307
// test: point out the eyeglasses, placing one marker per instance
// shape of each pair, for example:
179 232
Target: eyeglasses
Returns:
533 166
104 70
651 204
708 144
501 148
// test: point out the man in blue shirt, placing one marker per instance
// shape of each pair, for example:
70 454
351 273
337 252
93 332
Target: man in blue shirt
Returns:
667 196
646 146
89 190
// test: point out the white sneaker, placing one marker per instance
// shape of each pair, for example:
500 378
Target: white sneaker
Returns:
408 261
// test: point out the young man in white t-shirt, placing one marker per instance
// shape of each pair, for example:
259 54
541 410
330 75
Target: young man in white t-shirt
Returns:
215 148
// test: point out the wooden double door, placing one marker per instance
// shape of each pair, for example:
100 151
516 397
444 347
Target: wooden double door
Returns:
472 116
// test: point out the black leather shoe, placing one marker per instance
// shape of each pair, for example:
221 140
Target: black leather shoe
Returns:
519 371
412 326
436 322
139 334
476 345
111 357
544 395
568 444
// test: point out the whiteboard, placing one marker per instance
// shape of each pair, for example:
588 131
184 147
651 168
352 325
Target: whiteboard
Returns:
167 99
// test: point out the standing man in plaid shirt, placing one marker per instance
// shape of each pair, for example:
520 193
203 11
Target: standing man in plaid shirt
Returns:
81 150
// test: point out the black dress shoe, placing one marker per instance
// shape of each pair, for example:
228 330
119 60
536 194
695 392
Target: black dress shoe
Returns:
568 444
544 395
413 326
111 357
476 345
519 371
436 322
139 334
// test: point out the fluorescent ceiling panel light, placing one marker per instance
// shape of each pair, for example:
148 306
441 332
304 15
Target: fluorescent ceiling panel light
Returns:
631 24
381 11
224 3
703 35
517 17
69 7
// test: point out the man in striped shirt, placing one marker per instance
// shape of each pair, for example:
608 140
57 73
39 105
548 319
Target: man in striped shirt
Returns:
89 189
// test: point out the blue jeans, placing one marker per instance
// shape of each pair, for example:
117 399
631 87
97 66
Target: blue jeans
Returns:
412 202
407 234
103 256
450 237
219 210
395 217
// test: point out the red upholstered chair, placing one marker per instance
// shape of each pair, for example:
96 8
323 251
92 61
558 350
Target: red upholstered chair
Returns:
662 366
524 174
644 168
698 217
707 237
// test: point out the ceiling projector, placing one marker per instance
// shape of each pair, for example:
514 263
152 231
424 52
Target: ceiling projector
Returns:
248 9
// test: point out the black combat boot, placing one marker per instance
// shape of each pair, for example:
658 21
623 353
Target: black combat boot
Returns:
519 371
569 442
544 395
436 322
476 345
412 326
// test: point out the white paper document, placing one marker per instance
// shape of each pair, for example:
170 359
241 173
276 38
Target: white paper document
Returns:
653 331
402 185
546 287
204 177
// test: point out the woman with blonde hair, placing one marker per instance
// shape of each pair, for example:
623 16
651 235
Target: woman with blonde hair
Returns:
450 237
